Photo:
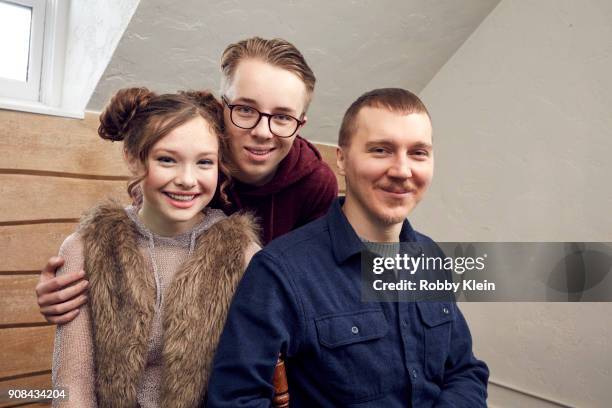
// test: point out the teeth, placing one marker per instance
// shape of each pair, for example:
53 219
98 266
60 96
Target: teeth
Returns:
181 197
259 152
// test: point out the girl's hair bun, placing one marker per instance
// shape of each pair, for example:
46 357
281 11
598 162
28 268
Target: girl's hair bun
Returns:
116 119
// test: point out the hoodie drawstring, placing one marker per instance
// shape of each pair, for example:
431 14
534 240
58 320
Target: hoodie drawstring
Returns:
151 247
192 240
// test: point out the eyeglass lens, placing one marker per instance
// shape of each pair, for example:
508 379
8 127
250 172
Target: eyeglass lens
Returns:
247 117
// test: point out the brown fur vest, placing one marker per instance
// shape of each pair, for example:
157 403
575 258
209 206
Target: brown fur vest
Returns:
122 297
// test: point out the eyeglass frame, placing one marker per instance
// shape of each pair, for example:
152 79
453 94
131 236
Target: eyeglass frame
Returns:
231 107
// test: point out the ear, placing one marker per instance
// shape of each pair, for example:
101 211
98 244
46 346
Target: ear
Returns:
304 121
340 161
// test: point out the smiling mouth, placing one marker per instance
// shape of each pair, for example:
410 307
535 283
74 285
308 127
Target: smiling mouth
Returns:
399 191
259 152
182 196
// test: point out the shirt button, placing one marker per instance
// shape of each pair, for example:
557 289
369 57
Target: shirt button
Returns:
414 374
445 310
355 329
404 324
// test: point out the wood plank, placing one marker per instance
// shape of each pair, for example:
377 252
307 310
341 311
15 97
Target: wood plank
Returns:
28 197
33 382
25 350
328 153
27 247
65 145
18 300
51 143
42 404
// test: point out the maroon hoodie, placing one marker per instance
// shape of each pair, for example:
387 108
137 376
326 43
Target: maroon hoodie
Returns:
301 191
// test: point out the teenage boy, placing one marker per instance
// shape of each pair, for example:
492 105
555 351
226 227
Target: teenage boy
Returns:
301 295
266 88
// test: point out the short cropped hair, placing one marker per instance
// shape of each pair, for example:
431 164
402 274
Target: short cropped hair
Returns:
276 51
396 100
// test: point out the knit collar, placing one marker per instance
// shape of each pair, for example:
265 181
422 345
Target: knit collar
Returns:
211 216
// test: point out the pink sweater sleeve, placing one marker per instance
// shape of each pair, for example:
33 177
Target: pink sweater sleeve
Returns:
73 359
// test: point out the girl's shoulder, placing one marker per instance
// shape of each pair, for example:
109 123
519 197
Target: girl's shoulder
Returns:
250 251
72 252
239 230
73 244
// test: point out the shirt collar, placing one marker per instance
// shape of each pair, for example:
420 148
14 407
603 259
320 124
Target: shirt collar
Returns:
345 241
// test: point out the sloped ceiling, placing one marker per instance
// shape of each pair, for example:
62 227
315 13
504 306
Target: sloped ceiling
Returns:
351 45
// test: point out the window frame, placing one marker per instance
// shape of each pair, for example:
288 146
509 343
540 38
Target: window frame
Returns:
29 90
46 80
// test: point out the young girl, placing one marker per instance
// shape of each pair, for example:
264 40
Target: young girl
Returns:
161 273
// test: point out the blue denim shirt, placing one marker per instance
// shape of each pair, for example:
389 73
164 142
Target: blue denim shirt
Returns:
301 296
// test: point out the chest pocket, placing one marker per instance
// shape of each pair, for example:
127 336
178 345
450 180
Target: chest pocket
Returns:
354 355
348 328
437 320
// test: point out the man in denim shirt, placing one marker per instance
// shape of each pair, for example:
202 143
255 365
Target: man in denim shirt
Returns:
301 295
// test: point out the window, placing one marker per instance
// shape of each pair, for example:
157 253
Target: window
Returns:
32 47
22 26
15 23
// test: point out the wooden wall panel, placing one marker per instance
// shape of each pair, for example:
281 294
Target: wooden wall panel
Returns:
328 152
29 197
33 405
62 145
26 350
27 247
18 300
34 382
49 143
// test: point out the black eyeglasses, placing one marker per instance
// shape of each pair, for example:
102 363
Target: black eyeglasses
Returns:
247 117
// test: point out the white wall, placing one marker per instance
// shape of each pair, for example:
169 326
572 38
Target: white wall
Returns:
522 131
94 30
352 46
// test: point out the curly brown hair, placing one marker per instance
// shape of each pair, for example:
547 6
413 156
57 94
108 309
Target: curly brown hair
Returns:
140 118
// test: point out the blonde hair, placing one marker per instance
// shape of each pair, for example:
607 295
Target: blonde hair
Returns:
276 51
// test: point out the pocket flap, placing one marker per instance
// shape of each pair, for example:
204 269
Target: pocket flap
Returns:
352 327
436 313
